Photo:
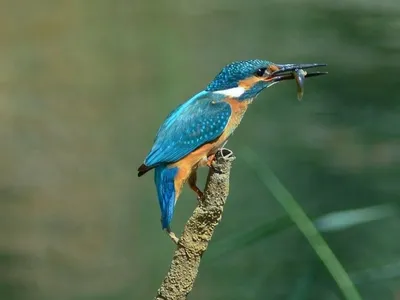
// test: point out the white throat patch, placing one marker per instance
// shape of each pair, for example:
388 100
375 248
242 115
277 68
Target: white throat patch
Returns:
235 92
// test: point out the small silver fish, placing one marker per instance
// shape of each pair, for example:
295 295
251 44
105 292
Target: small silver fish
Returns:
300 76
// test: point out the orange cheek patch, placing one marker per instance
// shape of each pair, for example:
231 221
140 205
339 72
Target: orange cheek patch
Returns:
272 68
249 82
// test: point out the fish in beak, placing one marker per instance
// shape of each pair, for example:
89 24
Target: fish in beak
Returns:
294 71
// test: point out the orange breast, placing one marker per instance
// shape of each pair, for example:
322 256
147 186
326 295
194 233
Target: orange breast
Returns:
190 162
238 110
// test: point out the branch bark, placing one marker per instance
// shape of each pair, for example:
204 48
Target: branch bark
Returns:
198 231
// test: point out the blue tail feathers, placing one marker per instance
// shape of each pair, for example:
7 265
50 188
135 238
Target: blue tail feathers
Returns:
164 179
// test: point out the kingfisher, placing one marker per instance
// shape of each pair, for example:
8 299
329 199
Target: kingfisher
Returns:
192 134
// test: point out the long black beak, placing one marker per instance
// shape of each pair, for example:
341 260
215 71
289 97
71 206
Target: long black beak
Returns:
297 72
286 72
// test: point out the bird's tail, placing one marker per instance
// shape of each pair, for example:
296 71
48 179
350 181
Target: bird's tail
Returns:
143 169
164 178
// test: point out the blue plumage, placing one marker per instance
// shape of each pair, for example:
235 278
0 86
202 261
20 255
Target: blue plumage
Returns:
231 74
200 120
164 179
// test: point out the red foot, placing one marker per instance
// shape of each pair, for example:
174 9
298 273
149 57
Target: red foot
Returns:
210 159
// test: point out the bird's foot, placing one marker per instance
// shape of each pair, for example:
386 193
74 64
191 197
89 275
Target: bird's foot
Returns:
200 195
225 153
172 236
210 160
198 192
194 187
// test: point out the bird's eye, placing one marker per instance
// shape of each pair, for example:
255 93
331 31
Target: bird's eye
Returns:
260 72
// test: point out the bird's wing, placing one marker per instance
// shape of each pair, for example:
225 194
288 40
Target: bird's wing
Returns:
194 123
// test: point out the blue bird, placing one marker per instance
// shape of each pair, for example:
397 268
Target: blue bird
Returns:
193 132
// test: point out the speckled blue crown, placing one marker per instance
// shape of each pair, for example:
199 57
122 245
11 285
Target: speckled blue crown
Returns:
234 72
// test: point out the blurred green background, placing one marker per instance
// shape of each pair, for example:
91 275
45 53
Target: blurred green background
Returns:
84 86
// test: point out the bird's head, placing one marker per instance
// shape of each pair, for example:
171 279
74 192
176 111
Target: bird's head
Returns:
246 79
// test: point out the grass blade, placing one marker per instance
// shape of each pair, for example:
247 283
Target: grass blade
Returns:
305 225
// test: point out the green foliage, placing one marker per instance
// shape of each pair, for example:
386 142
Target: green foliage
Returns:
305 225
84 86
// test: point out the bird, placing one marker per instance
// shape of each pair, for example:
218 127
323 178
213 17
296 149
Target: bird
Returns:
193 132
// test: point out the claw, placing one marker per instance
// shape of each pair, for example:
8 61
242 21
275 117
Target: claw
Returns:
200 195
210 159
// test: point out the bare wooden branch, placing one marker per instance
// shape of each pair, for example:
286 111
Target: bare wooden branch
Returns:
198 231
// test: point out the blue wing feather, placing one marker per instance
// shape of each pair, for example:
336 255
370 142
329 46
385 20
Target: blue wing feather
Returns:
194 123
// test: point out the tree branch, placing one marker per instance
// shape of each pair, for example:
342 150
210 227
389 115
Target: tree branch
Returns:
198 231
